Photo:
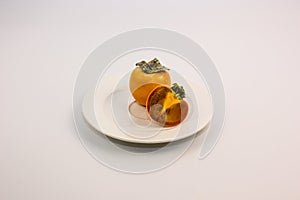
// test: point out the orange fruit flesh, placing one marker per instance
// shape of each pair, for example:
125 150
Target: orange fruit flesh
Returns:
164 108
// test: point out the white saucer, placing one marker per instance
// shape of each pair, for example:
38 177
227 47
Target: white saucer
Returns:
108 113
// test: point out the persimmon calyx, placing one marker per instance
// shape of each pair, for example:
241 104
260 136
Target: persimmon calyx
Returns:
151 67
178 91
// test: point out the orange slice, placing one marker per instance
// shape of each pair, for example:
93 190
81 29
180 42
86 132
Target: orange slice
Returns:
165 108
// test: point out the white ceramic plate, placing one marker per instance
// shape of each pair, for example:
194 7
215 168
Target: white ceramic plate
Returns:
108 108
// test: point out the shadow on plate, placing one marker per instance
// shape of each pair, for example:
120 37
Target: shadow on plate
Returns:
141 147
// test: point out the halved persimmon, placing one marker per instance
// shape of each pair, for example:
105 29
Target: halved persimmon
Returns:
166 106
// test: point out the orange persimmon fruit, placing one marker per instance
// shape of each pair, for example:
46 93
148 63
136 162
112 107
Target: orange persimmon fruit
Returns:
145 77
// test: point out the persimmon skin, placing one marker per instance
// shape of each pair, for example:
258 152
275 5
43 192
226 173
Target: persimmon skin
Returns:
164 108
141 84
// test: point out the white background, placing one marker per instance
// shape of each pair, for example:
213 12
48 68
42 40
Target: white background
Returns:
255 46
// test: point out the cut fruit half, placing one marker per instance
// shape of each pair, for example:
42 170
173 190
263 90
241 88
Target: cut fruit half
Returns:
165 108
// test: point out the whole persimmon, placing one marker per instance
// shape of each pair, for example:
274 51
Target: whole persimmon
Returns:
145 77
166 106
